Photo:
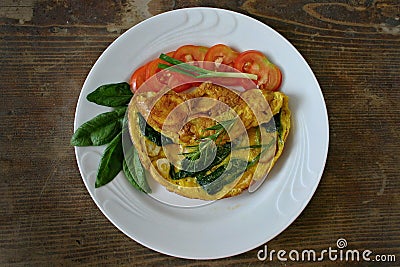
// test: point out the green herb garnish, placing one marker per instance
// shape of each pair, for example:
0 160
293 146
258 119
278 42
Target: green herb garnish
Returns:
201 154
151 134
111 162
223 151
100 130
111 95
106 129
134 170
213 182
220 128
198 72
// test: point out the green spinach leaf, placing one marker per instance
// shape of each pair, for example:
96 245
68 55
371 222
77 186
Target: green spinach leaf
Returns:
223 175
203 154
100 130
222 152
134 171
111 162
151 134
111 95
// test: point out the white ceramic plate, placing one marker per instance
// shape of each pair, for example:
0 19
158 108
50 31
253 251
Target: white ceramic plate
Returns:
230 226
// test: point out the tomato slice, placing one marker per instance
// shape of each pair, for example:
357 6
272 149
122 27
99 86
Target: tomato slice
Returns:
179 82
156 78
255 62
152 66
177 85
221 54
138 78
157 82
190 53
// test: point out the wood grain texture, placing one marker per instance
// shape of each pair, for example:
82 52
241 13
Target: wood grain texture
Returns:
47 48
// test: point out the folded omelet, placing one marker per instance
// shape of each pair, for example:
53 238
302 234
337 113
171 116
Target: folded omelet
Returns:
211 142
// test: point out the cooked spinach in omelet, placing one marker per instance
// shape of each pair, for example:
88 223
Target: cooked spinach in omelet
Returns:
211 142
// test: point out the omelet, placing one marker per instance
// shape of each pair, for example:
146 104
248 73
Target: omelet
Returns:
211 142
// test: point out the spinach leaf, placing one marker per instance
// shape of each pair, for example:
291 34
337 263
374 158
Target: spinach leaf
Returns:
278 124
205 179
134 171
222 127
100 130
111 95
274 124
214 181
130 177
203 155
222 152
151 134
111 162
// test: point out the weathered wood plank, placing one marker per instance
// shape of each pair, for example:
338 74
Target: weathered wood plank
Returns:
48 47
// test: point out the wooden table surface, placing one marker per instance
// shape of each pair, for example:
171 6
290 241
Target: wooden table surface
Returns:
47 49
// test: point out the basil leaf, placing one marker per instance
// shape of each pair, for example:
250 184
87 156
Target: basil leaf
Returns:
140 172
214 181
130 177
105 134
111 95
201 158
111 162
134 171
274 124
100 130
222 152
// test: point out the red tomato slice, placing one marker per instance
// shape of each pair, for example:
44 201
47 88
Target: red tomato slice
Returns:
190 53
182 87
138 78
152 66
255 62
157 82
223 58
181 82
221 54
